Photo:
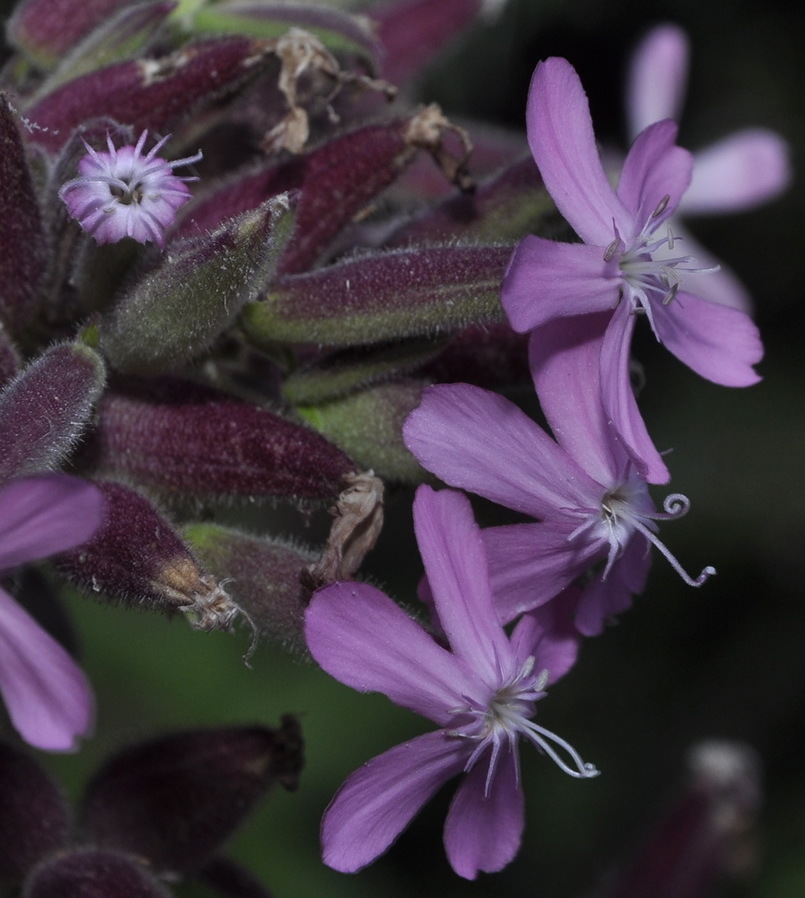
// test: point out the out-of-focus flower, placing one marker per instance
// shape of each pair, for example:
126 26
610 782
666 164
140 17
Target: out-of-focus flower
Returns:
592 507
47 695
738 172
481 693
628 263
123 193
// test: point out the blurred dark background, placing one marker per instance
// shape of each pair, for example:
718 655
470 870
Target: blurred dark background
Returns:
726 661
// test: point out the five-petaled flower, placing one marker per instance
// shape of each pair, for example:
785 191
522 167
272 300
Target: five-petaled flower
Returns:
481 693
736 173
47 695
593 508
123 193
629 261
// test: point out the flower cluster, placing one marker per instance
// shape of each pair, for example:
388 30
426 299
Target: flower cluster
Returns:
587 552
319 313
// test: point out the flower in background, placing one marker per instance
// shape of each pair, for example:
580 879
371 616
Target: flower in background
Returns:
629 262
48 697
592 507
482 694
737 173
125 194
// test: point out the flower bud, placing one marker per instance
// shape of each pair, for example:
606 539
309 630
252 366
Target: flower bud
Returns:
186 439
24 256
93 873
148 93
176 310
44 410
368 425
382 297
176 799
413 32
137 557
34 821
264 577
47 29
10 361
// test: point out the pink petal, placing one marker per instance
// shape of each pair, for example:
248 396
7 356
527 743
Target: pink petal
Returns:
378 801
455 563
602 599
565 359
619 401
529 564
657 78
560 133
360 637
546 280
48 697
46 514
484 832
479 441
550 635
655 173
741 171
717 342
721 285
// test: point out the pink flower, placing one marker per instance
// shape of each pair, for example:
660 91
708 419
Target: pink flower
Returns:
125 194
481 693
48 697
737 173
593 509
629 262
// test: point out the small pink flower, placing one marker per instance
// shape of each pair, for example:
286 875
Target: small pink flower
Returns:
481 693
125 194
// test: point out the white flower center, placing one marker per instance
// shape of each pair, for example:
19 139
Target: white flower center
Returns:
652 271
507 718
627 509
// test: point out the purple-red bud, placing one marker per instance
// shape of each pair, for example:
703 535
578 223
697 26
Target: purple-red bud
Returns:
34 818
176 799
186 439
45 409
368 425
413 32
264 577
93 873
24 255
47 29
148 93
403 293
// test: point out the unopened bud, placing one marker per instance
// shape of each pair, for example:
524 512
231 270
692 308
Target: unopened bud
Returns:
93 873
176 799
34 818
138 558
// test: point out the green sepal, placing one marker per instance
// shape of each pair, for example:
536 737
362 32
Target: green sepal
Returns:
346 371
45 409
368 427
505 207
178 309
